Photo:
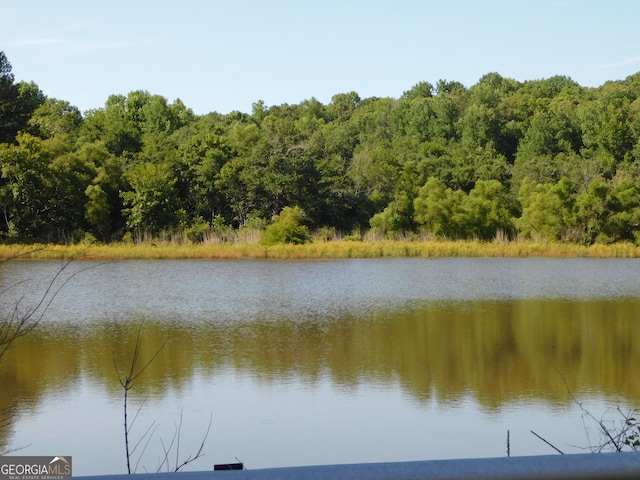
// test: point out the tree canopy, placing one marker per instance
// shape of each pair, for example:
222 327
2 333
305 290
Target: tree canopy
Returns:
542 159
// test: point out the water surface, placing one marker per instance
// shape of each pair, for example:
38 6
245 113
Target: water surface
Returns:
312 362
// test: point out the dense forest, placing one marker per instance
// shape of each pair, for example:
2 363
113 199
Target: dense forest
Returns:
546 160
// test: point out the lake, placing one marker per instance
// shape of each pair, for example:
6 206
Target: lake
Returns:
318 362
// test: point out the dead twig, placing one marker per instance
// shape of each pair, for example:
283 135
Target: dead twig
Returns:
19 323
548 443
126 380
176 439
614 437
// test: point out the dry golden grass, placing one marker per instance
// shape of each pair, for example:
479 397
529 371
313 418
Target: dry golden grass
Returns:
319 250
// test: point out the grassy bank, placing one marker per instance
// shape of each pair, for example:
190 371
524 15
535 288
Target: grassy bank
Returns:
318 250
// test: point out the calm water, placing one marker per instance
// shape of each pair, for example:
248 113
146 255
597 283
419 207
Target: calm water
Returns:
314 362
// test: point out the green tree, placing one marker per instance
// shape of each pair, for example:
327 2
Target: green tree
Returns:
103 203
199 160
41 192
446 87
397 217
55 118
438 210
415 116
419 90
288 172
26 184
98 212
115 125
609 211
17 102
151 205
487 210
545 152
312 116
70 178
548 211
343 105
606 121
592 211
337 204
484 123
240 185
624 203
158 121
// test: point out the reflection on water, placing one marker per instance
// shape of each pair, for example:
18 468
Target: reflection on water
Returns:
326 360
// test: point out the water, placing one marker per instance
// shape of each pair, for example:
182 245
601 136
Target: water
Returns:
319 362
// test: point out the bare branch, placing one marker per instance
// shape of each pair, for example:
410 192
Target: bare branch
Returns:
199 452
20 324
126 381
144 449
550 444
612 437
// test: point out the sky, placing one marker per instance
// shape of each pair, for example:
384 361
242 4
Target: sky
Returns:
225 55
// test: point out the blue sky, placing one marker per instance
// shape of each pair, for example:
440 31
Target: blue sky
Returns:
225 55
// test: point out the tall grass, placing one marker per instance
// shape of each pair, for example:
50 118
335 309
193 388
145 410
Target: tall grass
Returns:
318 250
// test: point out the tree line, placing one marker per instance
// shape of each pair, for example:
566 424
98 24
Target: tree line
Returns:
545 159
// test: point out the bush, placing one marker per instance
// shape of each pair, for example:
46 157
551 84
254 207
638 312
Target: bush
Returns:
196 232
286 228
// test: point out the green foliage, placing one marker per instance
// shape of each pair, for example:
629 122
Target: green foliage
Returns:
631 434
542 159
438 210
481 214
98 211
287 228
196 232
420 90
487 210
395 218
18 101
606 121
41 190
548 210
151 204
25 183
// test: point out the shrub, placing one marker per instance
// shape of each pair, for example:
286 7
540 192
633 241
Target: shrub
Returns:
287 228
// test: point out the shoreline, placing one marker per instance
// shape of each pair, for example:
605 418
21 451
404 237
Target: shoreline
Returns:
341 249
